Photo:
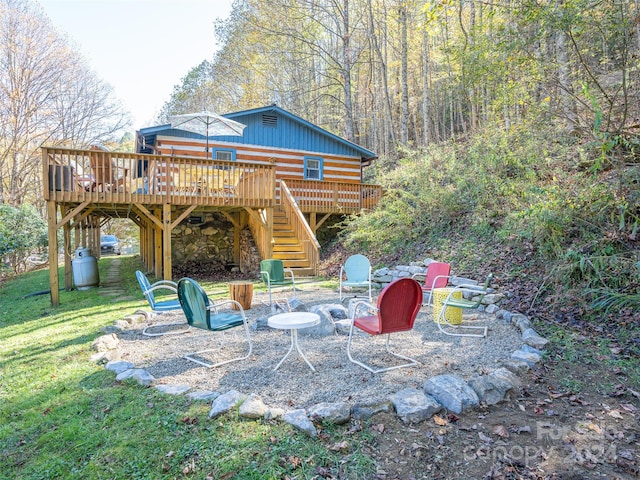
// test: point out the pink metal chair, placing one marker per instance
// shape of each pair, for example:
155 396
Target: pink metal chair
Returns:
437 277
398 305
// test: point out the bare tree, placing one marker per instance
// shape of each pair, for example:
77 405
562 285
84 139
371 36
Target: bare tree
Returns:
47 95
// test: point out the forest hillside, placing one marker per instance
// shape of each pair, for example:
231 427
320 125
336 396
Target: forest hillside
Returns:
559 234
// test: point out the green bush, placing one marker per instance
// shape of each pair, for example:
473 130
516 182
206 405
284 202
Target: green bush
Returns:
22 232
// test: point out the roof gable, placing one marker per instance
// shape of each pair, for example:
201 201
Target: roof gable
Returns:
272 126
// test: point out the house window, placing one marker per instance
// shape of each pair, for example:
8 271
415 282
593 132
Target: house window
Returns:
313 168
225 154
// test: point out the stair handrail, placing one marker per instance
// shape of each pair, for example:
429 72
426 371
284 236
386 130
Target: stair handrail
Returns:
300 225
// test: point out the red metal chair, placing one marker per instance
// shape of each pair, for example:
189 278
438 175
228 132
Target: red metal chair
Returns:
437 277
398 306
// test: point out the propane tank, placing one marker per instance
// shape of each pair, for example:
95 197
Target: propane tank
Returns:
85 269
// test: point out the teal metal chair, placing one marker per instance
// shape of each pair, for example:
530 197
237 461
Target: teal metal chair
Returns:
355 273
477 293
203 314
273 272
159 306
398 305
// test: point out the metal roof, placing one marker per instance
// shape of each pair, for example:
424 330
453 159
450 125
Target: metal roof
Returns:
269 126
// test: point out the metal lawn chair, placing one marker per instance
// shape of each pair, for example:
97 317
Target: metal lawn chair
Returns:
160 306
437 276
273 272
203 314
398 305
357 270
477 294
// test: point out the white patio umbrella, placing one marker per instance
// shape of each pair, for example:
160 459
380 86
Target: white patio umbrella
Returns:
208 124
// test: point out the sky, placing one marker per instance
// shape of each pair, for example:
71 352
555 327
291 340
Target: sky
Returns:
142 48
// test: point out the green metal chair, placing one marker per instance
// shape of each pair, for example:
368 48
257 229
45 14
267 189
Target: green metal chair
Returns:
357 270
477 293
159 306
203 314
272 272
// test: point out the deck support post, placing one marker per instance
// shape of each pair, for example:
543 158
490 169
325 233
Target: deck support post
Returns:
157 247
52 230
166 241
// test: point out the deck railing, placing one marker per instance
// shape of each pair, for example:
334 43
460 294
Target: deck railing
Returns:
300 227
119 177
98 176
333 197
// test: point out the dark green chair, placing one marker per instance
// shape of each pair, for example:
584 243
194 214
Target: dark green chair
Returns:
272 272
203 314
477 294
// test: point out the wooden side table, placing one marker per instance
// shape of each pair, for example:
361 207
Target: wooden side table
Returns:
242 292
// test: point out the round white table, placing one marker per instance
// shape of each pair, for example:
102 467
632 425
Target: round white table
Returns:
294 321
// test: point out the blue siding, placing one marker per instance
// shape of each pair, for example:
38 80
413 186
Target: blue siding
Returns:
290 132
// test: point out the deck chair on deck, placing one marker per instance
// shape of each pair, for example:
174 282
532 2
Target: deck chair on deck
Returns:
398 305
107 177
159 306
357 270
437 276
477 293
201 313
272 272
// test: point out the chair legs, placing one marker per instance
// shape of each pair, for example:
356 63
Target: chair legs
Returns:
191 356
442 322
160 334
379 370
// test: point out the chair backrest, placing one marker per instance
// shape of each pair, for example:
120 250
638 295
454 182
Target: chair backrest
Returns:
145 286
434 270
357 267
275 269
398 305
194 303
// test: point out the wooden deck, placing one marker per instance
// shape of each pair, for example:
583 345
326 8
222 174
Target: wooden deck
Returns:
120 179
84 188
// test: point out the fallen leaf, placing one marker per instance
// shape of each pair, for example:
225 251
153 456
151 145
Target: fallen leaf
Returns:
501 431
484 438
440 421
538 410
452 417
615 414
336 447
629 407
595 428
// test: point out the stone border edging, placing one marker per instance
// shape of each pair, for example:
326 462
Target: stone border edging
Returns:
450 392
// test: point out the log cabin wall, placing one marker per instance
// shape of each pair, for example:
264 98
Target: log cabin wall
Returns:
289 163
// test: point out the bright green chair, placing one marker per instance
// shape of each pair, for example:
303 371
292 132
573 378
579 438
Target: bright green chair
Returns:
203 314
477 294
272 272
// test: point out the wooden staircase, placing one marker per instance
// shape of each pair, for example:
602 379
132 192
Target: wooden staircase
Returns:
287 247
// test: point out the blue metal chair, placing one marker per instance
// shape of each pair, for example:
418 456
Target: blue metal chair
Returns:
203 314
357 270
272 272
159 306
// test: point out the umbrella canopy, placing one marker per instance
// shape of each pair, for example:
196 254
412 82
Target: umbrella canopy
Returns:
207 124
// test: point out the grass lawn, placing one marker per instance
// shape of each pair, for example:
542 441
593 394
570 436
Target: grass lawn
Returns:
62 416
